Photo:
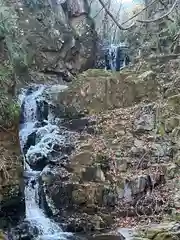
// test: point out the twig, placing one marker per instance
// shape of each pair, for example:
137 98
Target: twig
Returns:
7 131
117 16
113 18
141 160
118 20
173 56
163 16
135 15
165 6
98 12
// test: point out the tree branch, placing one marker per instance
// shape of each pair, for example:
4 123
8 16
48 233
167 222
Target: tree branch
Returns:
159 18
135 15
98 12
117 16
113 18
118 20
165 6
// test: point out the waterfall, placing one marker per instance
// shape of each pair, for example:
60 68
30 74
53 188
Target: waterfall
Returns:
116 57
47 228
113 56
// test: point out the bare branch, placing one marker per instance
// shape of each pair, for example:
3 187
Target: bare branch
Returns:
113 18
90 3
98 12
165 6
135 15
159 18
118 14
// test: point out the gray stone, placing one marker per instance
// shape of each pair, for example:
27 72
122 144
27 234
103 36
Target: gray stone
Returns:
145 119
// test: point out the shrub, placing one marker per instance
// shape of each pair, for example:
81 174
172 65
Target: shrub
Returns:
9 109
13 36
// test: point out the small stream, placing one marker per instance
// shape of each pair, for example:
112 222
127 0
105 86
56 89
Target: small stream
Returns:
31 121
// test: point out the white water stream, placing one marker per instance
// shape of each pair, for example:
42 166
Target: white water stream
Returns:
48 229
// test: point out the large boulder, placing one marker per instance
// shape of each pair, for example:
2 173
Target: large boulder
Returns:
24 231
96 90
161 231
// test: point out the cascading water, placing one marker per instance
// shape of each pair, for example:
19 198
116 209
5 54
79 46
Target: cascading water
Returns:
113 56
116 57
47 228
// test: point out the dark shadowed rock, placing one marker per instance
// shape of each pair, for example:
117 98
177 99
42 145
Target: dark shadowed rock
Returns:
31 141
24 231
37 160
77 124
93 174
42 110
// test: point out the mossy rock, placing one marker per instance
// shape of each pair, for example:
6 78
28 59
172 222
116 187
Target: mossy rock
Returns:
166 236
96 73
175 135
95 91
2 235
176 158
174 104
172 171
175 216
171 123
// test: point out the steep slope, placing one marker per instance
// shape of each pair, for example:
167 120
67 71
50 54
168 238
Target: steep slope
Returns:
126 157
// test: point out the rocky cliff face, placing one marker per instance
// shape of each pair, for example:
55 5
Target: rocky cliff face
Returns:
61 38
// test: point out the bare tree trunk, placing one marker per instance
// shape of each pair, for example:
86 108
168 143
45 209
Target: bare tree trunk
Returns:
147 10
105 34
118 17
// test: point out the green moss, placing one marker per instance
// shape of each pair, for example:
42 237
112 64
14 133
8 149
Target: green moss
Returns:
5 73
171 123
97 73
157 234
2 236
150 234
176 217
9 113
165 236
174 103
9 109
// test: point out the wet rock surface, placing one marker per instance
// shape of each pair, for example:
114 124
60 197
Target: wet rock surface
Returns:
24 231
